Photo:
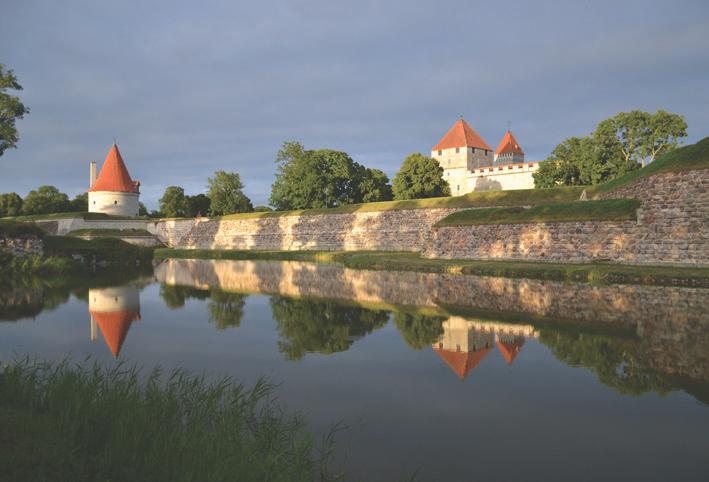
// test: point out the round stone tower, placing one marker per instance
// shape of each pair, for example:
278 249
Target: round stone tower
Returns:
113 191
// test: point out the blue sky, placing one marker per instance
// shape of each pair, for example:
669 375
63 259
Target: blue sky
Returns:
191 87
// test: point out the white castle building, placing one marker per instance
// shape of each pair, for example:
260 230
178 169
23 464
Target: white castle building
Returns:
113 191
469 163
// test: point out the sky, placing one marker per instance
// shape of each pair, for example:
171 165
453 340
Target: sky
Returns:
188 88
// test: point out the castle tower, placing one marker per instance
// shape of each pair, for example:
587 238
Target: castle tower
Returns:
460 151
114 310
113 191
509 151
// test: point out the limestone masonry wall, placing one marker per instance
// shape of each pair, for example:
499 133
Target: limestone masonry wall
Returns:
22 246
672 228
402 230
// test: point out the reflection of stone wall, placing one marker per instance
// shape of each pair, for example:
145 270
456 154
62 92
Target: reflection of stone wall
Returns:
397 230
672 322
22 246
672 228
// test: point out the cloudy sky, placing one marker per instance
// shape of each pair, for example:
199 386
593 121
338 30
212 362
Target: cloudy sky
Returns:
190 87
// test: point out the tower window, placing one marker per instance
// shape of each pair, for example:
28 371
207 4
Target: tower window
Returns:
115 202
457 150
440 153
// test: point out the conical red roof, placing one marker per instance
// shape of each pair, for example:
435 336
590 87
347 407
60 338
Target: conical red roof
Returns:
462 362
461 135
509 144
510 350
114 327
114 175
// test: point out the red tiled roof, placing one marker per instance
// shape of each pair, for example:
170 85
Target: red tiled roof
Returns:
114 327
510 350
114 175
461 135
509 144
462 362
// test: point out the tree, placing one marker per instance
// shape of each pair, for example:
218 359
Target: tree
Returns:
10 204
198 205
142 210
11 109
419 177
642 136
173 203
375 186
45 200
226 309
80 203
315 179
226 195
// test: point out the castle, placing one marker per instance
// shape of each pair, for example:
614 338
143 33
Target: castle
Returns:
469 163
113 191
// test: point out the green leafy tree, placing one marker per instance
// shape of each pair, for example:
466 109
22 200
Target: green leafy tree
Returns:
80 203
11 109
419 177
198 205
642 136
226 195
374 186
173 203
45 200
322 326
142 210
419 331
323 178
226 309
262 209
10 204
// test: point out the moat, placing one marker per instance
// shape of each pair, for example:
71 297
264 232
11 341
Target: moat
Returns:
441 376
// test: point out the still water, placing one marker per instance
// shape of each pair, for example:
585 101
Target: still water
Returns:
441 376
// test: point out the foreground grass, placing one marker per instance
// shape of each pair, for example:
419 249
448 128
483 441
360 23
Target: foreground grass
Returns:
85 422
406 261
14 229
607 210
109 233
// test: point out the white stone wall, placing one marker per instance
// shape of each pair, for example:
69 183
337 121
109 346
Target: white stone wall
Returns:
114 203
60 227
501 177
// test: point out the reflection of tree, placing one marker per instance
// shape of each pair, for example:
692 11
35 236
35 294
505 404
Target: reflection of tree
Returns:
417 330
612 359
175 296
322 326
226 309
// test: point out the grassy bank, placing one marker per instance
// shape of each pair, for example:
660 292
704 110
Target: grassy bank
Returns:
67 215
85 422
109 233
607 210
403 261
109 251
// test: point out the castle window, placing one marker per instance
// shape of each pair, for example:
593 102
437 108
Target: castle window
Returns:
440 153
457 150
115 202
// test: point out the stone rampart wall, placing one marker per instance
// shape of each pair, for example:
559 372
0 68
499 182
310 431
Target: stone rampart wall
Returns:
397 230
22 246
672 228
60 227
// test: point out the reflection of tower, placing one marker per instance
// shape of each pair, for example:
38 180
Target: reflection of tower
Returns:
509 346
464 343
113 310
461 346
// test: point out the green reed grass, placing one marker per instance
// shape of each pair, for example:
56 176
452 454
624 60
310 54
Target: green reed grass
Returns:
83 421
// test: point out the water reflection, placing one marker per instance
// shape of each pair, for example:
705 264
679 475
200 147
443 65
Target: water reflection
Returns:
464 343
113 311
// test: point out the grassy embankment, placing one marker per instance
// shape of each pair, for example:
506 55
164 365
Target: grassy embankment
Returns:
83 422
66 215
605 210
407 261
109 233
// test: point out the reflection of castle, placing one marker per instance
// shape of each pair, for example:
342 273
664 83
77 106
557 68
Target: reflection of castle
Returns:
464 343
113 310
